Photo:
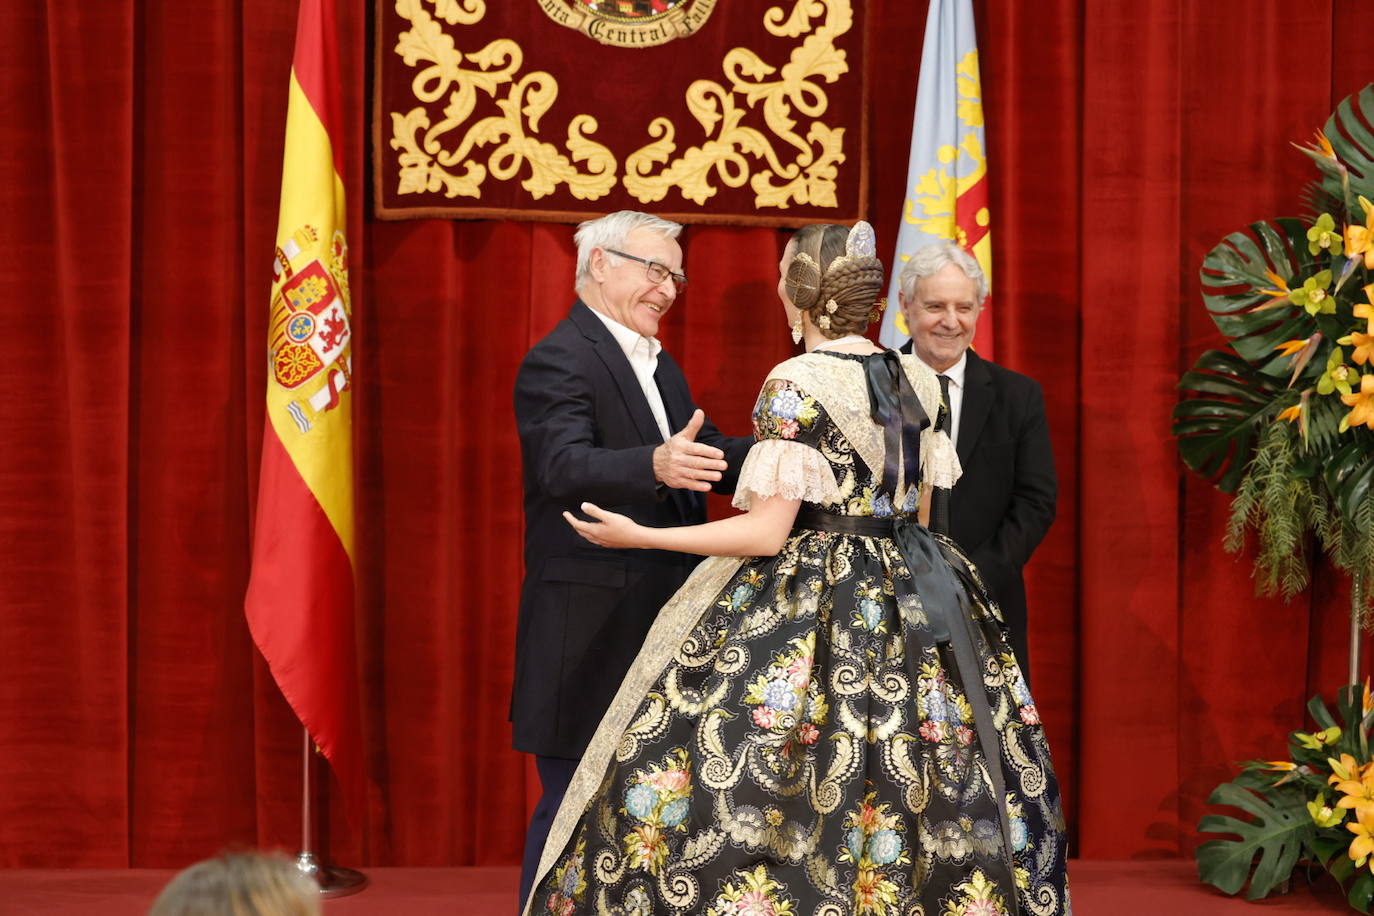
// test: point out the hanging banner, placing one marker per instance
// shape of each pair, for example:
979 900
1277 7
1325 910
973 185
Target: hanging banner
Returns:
947 173
697 110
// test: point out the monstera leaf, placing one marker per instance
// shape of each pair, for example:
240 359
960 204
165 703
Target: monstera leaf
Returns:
1353 144
1279 831
1216 431
1235 277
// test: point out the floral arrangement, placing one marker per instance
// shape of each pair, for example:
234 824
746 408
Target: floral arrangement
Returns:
1284 417
1317 806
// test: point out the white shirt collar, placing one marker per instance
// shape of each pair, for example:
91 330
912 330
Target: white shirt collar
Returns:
955 373
636 345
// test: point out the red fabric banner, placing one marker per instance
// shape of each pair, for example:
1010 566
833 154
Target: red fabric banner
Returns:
701 110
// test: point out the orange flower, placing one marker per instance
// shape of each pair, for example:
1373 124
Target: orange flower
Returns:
1280 292
1291 414
1360 239
1361 403
1363 844
1358 795
1364 346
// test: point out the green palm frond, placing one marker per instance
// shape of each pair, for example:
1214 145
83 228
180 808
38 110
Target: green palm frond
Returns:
1353 143
1216 430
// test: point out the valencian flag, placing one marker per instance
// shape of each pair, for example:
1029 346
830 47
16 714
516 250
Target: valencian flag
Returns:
300 594
947 187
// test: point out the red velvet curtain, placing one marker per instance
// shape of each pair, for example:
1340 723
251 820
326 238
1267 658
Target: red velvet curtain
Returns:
140 170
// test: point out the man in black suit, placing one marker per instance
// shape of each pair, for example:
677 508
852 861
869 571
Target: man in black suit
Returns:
1004 503
596 404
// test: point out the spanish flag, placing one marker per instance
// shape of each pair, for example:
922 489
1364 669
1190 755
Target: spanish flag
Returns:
947 173
300 594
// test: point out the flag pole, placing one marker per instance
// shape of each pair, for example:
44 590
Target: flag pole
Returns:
333 880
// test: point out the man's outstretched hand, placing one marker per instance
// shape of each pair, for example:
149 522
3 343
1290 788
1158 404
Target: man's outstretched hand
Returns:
686 464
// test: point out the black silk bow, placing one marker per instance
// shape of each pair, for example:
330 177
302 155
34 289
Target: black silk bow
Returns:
893 405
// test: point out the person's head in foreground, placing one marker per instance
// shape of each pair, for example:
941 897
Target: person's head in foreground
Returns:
239 884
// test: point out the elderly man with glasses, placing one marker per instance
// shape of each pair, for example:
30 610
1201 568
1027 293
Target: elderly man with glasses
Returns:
604 416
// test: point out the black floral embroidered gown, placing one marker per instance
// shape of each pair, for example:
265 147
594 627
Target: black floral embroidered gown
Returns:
839 730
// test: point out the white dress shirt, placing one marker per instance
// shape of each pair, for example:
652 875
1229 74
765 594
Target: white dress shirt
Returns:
955 373
642 352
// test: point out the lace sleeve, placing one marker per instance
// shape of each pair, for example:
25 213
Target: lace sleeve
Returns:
792 470
939 462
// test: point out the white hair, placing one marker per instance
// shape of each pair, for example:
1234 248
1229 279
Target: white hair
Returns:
933 258
609 231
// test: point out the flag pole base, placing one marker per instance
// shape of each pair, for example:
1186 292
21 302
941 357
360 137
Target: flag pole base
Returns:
334 880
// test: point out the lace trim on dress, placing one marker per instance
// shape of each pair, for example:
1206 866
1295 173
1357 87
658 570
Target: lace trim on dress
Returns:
939 462
838 384
792 470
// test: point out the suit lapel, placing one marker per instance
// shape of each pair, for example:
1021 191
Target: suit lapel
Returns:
677 404
677 401
608 350
973 413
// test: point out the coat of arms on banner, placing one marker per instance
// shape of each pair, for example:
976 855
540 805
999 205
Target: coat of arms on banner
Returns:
702 111
630 23
310 334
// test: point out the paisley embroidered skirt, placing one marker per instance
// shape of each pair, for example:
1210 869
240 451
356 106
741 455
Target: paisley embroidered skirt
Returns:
796 740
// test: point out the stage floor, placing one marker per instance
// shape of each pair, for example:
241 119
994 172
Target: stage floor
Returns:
1156 888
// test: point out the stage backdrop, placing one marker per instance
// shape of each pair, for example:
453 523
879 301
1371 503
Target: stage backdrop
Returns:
140 169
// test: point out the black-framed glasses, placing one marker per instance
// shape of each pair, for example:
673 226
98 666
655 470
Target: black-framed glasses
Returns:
655 271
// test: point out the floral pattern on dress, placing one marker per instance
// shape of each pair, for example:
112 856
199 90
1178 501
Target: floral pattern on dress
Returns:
658 799
783 411
976 897
570 884
873 842
824 737
752 893
787 703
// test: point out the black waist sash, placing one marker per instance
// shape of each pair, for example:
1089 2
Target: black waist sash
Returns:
943 581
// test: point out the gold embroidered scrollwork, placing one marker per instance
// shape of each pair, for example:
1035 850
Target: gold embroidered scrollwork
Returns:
762 123
805 173
425 155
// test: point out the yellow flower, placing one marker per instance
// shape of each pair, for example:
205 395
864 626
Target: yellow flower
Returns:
1363 844
1280 765
1323 235
1365 310
1319 740
1358 794
1343 769
1291 414
1289 347
1323 815
1364 346
1361 404
1360 239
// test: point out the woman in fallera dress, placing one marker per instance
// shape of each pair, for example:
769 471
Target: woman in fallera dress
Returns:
827 718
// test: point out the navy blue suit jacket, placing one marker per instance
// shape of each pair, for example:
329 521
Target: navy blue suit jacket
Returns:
587 434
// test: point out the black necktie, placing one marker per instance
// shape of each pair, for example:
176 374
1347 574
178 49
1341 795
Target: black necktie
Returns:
939 497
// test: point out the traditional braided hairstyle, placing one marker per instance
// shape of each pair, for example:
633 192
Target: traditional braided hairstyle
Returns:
838 291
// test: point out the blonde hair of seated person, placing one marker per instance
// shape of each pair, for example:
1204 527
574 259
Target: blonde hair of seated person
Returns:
239 884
